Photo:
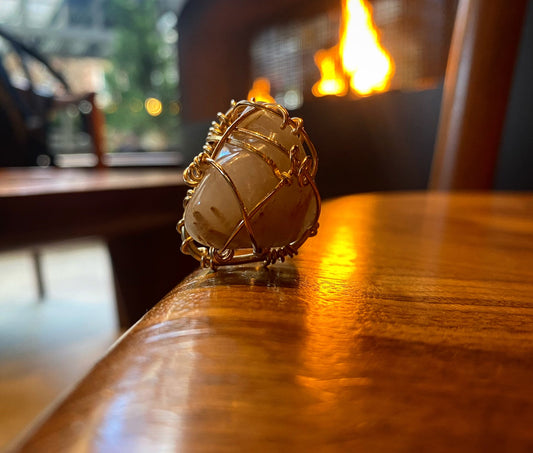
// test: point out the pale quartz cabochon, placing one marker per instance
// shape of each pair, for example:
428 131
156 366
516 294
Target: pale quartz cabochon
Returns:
214 211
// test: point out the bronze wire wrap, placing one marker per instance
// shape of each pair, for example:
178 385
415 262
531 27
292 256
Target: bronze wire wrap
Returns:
301 172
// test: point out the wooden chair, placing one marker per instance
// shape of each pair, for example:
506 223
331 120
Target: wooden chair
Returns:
476 90
26 143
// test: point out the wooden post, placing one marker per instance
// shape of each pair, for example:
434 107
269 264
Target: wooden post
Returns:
476 90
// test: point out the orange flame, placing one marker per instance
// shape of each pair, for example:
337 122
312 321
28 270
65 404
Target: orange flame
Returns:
329 63
261 90
363 61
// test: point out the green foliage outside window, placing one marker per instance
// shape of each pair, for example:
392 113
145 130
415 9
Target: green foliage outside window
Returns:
142 65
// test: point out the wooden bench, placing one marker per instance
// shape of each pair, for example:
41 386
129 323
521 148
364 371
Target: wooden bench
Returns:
406 324
134 211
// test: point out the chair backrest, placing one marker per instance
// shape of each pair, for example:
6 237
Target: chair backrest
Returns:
24 113
476 90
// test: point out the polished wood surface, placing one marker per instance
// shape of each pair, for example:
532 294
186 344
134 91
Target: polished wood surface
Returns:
135 211
18 182
406 324
476 91
42 205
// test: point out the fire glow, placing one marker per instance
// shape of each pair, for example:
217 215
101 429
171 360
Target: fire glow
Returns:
358 60
260 90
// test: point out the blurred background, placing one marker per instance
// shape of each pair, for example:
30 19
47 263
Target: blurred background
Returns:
124 51
122 84
162 69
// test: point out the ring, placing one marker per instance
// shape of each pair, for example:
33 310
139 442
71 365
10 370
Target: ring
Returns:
253 195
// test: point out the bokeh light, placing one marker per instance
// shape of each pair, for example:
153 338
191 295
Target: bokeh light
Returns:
153 106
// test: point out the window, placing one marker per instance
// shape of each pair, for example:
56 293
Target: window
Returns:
123 50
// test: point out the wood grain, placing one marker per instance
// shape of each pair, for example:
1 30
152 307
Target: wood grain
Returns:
405 325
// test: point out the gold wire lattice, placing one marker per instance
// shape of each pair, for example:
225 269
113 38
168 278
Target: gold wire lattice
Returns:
303 166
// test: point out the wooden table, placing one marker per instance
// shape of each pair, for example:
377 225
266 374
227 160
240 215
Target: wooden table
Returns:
134 211
405 325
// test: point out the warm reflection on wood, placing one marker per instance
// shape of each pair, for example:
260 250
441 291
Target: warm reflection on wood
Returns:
340 259
332 318
406 324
